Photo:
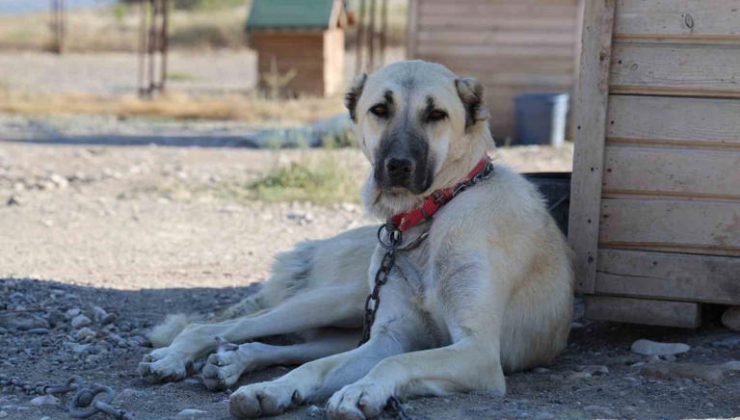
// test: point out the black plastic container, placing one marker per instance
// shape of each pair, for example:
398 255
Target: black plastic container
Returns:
555 186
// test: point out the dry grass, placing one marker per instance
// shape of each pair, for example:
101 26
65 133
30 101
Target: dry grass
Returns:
116 28
254 108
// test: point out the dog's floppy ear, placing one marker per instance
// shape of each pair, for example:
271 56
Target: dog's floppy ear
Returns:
353 95
471 94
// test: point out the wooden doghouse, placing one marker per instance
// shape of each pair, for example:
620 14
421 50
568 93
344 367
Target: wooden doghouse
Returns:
299 44
511 46
655 206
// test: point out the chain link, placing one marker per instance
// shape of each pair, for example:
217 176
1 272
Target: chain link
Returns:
83 404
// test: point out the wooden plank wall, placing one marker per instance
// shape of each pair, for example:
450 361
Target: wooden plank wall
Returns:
511 46
301 51
669 210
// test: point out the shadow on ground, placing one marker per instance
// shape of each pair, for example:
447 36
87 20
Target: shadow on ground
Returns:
596 377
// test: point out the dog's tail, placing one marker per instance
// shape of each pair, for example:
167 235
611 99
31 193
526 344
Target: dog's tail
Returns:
164 333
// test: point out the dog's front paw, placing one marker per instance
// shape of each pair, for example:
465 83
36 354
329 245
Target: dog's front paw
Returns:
164 365
358 401
224 367
263 399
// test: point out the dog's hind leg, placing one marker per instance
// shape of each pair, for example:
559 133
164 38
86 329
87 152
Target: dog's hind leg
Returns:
329 306
224 367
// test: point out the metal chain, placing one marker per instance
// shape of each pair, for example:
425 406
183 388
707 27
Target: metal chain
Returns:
391 241
83 404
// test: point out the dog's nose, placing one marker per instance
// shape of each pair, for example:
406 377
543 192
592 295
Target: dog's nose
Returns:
399 167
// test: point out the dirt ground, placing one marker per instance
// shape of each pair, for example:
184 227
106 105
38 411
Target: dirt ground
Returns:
99 239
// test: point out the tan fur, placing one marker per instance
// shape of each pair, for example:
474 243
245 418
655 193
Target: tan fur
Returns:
490 289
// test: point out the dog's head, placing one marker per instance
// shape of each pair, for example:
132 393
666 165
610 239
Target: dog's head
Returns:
412 118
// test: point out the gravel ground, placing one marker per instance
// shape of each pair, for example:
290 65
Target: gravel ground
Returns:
100 240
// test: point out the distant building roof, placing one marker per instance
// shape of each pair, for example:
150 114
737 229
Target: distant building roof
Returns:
293 14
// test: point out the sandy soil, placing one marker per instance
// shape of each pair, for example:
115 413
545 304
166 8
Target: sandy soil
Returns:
206 72
134 231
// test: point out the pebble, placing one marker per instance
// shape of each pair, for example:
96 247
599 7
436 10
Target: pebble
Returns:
80 321
731 341
99 313
191 412
707 373
731 318
733 365
600 411
22 321
45 400
578 376
654 348
71 313
314 411
541 370
3 414
594 370
13 200
38 331
85 333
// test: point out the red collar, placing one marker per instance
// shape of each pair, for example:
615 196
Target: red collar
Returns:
433 202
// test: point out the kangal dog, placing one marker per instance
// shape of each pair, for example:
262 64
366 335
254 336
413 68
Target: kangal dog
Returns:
483 288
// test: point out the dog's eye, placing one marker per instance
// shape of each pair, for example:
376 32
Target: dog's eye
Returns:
436 115
380 111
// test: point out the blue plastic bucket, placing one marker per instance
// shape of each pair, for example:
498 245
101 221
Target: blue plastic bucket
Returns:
541 118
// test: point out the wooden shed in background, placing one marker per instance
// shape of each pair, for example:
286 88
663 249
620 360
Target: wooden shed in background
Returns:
511 46
299 44
655 206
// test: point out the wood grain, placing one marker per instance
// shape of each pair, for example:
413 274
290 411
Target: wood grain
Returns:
687 173
590 121
692 122
709 227
643 311
696 278
693 18
677 70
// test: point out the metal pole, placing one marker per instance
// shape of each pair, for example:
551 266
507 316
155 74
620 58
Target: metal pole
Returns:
360 38
383 29
165 42
371 38
153 45
142 46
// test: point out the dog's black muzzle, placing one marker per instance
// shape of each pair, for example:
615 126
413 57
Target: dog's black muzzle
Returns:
403 163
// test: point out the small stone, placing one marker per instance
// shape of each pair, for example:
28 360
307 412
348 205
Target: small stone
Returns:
578 376
85 333
594 370
733 365
731 318
314 411
13 200
731 341
541 370
38 331
99 313
191 412
59 181
654 348
45 400
600 411
71 313
80 321
684 371
108 319
575 325
3 414
22 322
